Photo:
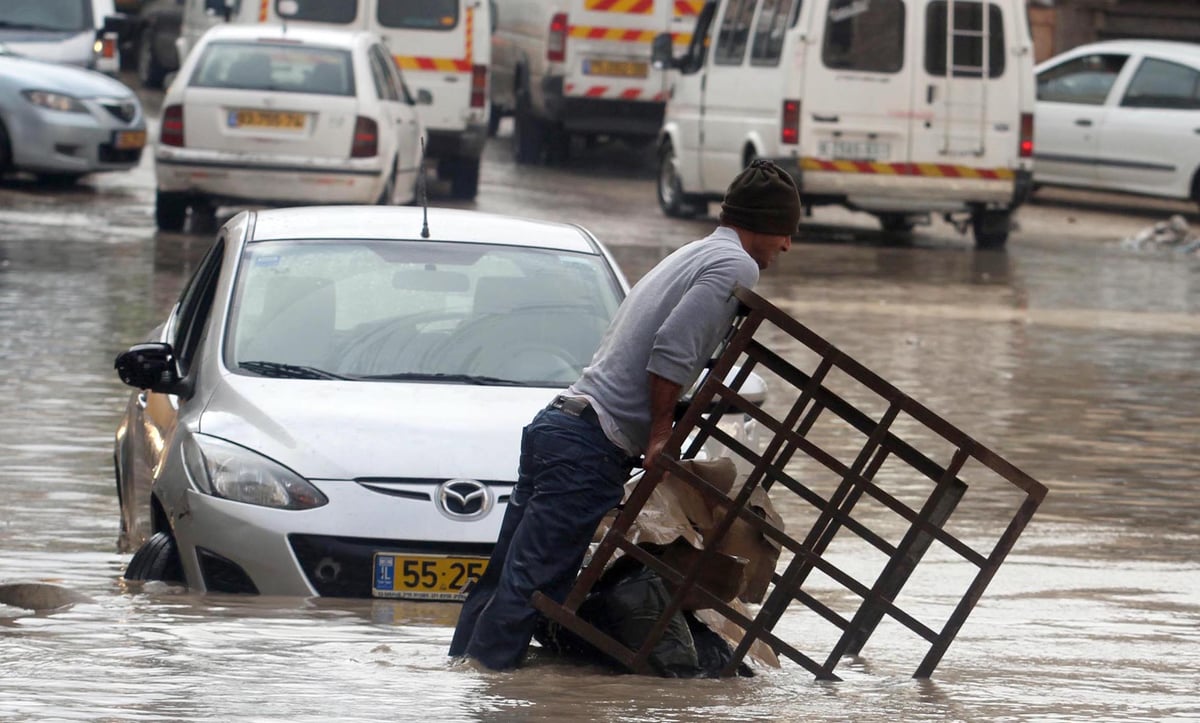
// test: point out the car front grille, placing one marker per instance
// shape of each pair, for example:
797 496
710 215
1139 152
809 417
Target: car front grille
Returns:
121 110
343 566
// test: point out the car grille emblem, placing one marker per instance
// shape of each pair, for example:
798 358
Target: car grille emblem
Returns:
122 110
464 499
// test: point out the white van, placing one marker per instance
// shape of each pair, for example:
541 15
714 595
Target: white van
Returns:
442 46
74 32
581 67
853 97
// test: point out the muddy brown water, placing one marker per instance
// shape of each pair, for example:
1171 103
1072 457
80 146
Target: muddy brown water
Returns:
1077 361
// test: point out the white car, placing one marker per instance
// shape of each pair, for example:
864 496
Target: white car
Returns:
267 115
1121 116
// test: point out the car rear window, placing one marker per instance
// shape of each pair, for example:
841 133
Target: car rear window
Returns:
342 12
48 15
419 14
284 68
866 35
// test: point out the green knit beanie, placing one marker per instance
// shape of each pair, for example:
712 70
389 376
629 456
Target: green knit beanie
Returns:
762 198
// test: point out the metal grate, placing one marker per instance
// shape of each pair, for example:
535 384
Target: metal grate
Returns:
893 496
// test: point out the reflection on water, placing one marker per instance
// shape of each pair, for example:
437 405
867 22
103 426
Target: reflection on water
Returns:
1079 366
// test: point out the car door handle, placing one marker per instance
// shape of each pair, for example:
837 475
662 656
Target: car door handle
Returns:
825 118
1084 123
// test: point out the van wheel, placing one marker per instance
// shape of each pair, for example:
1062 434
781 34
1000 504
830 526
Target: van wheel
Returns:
494 116
527 138
157 559
464 183
170 210
991 228
150 72
671 198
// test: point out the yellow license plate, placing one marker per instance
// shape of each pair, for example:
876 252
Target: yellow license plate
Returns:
616 68
286 120
129 140
424 577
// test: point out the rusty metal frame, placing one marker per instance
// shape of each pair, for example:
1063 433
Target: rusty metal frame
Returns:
789 436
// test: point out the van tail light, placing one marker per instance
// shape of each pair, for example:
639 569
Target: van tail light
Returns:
790 129
171 131
106 47
478 85
366 138
1026 135
556 46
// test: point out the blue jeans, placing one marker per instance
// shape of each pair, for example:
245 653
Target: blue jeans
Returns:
570 475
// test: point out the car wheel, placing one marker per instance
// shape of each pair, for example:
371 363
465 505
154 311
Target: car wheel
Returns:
494 116
527 133
896 223
991 228
671 197
204 216
5 151
150 71
157 559
464 183
170 210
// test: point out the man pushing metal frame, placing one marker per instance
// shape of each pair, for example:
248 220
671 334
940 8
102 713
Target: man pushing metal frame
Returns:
857 480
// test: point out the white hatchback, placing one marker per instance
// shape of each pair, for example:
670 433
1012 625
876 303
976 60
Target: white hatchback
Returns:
1121 116
268 115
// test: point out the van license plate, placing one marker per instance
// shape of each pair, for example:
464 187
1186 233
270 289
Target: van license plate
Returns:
854 150
616 68
286 120
423 577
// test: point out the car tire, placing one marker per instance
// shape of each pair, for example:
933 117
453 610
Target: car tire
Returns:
156 559
150 72
991 228
5 151
494 116
170 210
671 198
527 133
464 183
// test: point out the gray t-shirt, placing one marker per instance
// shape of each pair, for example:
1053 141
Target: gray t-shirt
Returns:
670 324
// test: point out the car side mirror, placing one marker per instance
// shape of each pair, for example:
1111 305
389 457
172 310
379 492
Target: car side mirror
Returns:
424 97
118 24
660 52
150 366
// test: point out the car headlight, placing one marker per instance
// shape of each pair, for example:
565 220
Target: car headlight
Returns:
226 470
54 101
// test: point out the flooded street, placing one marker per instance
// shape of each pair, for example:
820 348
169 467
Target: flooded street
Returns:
1075 358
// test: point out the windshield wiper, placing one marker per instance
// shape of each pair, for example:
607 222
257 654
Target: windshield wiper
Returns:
9 25
439 377
279 370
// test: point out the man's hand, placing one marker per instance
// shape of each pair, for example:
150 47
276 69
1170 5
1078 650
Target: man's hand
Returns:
663 396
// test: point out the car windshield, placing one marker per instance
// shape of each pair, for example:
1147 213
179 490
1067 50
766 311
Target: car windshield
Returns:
49 15
461 313
275 67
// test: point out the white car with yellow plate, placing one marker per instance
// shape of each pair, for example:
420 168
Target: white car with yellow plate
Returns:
267 115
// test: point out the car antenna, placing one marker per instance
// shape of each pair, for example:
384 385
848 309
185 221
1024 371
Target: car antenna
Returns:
424 198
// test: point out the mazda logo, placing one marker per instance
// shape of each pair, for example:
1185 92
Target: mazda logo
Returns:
464 499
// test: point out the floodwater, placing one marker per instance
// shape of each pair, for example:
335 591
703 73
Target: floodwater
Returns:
1070 356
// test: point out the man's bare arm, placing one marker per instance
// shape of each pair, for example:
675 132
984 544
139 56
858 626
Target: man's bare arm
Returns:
663 396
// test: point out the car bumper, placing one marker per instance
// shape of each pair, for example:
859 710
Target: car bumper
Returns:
45 141
608 116
316 552
465 143
247 178
879 192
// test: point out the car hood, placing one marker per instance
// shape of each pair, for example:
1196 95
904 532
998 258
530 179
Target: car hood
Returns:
77 82
52 46
331 430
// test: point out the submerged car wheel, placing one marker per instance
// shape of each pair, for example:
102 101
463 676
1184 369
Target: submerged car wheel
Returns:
170 210
157 559
671 197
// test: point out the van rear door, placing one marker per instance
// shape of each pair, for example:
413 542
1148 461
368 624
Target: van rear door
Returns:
857 105
608 48
967 102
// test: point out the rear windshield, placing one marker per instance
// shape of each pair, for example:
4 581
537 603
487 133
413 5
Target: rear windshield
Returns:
285 68
864 35
48 15
419 14
318 11
966 52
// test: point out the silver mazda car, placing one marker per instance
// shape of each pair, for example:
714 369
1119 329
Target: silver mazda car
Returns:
334 406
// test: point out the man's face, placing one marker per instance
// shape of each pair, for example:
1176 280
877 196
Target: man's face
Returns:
765 248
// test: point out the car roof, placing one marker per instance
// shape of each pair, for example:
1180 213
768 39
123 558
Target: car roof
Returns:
406 223
1163 47
294 33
